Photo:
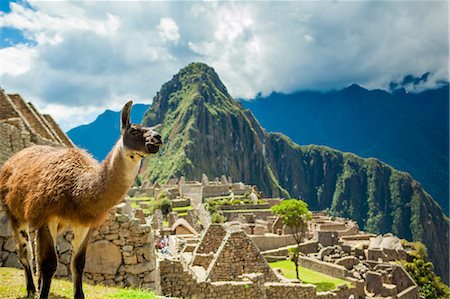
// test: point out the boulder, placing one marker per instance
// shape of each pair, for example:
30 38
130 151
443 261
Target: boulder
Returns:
5 225
103 257
62 244
140 268
10 245
12 261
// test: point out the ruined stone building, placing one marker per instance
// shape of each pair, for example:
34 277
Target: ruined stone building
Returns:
21 126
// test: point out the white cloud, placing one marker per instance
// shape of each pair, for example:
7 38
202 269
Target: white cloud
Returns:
168 30
94 55
16 61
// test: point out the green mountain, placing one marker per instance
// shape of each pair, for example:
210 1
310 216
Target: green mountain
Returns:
206 131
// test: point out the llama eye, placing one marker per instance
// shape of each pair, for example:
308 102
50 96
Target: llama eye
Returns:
135 132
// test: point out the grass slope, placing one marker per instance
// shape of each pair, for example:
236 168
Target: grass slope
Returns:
321 281
13 286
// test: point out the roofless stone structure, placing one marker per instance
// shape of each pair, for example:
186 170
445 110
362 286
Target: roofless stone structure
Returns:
21 126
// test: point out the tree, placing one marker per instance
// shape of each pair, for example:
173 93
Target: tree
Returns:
422 271
294 213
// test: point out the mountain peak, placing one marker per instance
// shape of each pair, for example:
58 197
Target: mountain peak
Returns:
194 86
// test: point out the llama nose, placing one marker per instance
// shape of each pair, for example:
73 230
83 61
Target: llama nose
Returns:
156 139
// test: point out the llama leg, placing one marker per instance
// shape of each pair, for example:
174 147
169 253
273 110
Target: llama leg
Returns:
80 241
47 260
21 235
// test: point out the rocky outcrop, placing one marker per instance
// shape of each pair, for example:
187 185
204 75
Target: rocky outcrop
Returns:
206 131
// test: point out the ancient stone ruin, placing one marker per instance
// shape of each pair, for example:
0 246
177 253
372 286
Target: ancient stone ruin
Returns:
21 126
227 264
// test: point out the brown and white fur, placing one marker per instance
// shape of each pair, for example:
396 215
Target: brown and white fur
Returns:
48 188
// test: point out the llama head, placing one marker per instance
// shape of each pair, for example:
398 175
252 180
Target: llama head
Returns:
137 140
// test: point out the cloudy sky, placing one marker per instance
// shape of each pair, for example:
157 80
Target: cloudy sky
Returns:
75 59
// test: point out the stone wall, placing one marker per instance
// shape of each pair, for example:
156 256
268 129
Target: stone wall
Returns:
22 126
229 264
211 239
276 290
176 281
120 252
323 267
268 242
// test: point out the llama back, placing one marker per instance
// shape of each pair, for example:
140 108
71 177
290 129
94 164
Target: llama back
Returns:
35 181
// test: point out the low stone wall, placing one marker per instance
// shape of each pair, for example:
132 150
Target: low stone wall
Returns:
272 241
342 292
244 207
276 290
120 252
323 267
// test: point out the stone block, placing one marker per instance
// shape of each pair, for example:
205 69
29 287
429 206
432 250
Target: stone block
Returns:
5 225
140 268
10 245
62 244
12 261
103 257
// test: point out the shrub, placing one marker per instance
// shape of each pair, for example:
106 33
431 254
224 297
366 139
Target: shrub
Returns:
165 204
217 217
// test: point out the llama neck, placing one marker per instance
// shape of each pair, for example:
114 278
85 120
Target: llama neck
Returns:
115 176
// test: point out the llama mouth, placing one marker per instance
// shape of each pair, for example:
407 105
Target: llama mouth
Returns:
152 148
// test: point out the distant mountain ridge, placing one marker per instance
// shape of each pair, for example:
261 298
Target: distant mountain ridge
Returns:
407 130
99 137
206 131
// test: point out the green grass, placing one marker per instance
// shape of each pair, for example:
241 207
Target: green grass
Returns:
321 281
182 209
13 286
245 211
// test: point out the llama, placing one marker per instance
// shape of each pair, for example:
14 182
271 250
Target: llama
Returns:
49 188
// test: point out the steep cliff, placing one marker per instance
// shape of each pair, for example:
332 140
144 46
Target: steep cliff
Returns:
206 131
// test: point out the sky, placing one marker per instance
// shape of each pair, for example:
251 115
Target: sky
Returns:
74 59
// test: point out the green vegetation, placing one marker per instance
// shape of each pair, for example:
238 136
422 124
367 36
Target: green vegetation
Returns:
152 203
422 271
321 281
13 286
182 211
218 217
165 204
294 213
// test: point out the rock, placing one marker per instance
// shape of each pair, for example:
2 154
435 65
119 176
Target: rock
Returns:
4 255
109 282
140 268
62 244
125 208
130 260
150 277
122 218
127 248
103 257
65 258
148 252
140 215
10 245
104 229
12 261
61 270
131 280
5 225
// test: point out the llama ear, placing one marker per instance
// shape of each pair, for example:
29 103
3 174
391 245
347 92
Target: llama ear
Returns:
125 116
